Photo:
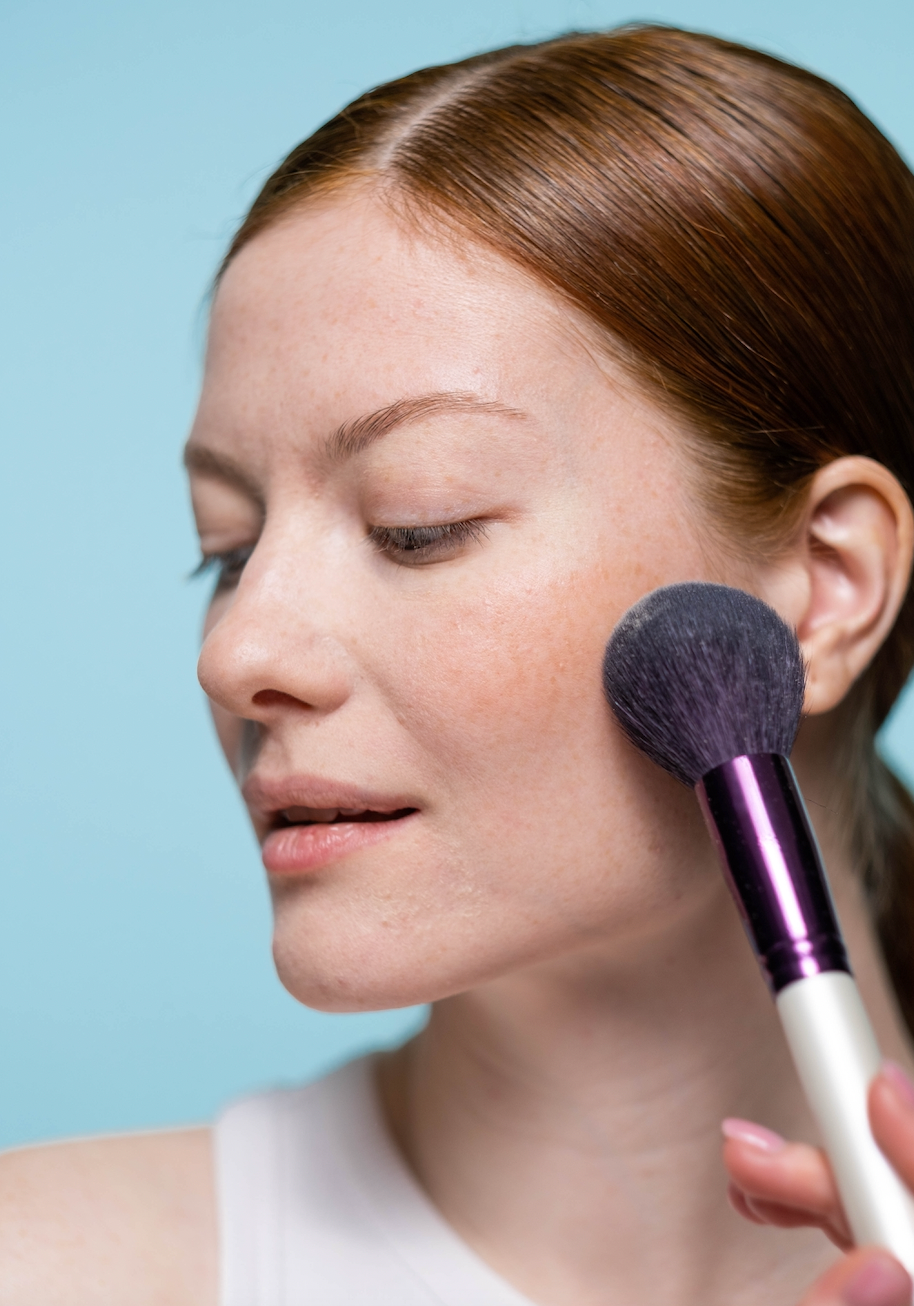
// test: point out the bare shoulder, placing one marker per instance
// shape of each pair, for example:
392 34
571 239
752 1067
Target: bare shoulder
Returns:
104 1221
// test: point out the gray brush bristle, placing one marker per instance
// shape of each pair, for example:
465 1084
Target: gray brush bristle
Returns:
698 674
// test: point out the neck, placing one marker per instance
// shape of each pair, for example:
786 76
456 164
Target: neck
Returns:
566 1119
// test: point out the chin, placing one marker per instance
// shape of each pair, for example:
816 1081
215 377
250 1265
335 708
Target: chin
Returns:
349 957
342 956
353 960
341 983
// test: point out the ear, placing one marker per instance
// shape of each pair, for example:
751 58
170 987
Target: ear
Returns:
846 578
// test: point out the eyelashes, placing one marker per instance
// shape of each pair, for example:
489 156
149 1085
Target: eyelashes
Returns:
410 546
226 567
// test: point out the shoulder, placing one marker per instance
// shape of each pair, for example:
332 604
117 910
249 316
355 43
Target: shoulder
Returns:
103 1221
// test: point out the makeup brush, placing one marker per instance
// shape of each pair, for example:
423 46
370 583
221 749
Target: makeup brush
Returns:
708 682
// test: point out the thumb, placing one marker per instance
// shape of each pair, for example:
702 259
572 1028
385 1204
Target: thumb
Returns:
867 1276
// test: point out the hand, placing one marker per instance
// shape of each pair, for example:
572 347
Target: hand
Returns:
791 1184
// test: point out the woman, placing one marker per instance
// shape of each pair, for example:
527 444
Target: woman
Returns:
499 349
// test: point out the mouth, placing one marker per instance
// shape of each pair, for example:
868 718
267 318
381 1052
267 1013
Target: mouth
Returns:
290 816
306 839
308 822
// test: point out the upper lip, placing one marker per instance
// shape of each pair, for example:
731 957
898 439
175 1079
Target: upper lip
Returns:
267 797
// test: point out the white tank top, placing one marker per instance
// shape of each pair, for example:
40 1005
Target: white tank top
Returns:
317 1208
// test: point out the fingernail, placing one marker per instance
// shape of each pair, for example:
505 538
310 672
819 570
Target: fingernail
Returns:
746 1131
881 1282
899 1081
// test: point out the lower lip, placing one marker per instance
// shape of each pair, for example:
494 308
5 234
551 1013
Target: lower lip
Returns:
298 849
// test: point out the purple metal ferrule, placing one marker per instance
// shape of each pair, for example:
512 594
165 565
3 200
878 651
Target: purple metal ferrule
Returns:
771 860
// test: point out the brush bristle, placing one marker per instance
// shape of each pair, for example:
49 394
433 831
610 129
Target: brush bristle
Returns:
698 674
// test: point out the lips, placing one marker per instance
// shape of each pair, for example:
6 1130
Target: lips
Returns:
308 822
334 815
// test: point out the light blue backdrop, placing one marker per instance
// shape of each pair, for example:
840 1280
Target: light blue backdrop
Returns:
135 979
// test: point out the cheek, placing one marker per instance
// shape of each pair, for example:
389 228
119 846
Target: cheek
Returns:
511 657
510 662
543 803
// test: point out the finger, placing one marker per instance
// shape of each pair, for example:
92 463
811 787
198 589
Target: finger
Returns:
787 1184
740 1204
759 1212
866 1277
892 1118
791 1217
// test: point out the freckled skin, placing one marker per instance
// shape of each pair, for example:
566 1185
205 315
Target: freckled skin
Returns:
472 682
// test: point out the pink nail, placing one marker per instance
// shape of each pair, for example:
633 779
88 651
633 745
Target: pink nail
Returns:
881 1282
746 1131
899 1081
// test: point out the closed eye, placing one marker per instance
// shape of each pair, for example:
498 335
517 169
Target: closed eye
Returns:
413 546
227 567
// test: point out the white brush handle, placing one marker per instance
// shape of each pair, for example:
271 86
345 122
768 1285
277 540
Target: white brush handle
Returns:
837 1057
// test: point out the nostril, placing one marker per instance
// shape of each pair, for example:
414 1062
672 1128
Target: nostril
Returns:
276 698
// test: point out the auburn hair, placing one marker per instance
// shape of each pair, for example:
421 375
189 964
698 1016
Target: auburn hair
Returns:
743 237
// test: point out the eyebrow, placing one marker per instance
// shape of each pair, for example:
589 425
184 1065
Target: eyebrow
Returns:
355 436
352 437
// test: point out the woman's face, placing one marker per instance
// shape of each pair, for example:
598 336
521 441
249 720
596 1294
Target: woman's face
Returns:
432 498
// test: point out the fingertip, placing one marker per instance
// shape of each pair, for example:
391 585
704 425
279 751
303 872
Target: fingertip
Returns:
899 1083
880 1281
756 1136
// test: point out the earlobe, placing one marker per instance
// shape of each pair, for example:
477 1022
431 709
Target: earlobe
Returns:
856 552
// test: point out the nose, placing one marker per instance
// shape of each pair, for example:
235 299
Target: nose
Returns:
276 643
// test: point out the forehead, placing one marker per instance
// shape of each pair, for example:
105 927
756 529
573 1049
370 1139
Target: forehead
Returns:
351 258
343 307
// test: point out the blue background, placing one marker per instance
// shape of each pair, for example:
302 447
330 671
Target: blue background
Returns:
135 979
